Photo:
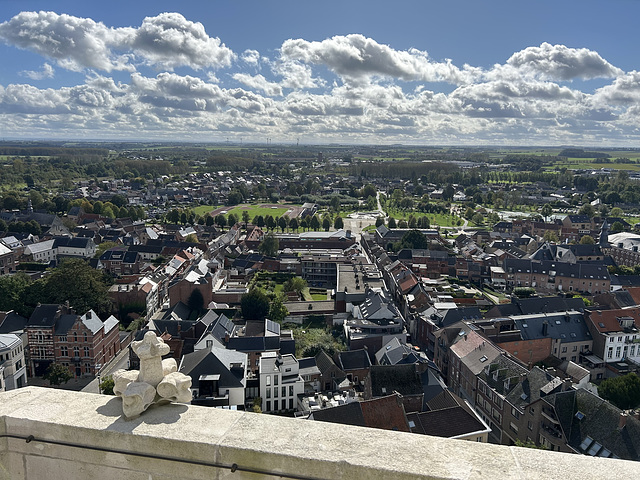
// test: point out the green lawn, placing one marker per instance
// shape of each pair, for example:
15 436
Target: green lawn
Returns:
202 209
256 210
238 209
440 219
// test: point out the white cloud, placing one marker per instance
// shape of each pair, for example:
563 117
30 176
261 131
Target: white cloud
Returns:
558 62
258 82
169 40
46 72
75 43
356 57
625 91
165 41
252 57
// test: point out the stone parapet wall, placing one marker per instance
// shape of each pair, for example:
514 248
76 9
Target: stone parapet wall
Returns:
50 433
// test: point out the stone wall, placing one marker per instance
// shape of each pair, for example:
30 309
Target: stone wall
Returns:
78 436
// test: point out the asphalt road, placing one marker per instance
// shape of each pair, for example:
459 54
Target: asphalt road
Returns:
120 361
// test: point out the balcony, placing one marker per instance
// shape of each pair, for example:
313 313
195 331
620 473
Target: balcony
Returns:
50 433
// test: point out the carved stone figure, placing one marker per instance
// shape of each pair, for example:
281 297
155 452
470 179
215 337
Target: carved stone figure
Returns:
157 382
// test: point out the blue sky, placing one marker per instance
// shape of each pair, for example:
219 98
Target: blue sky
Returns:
414 72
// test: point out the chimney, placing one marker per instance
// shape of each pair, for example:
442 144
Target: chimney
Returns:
226 337
622 421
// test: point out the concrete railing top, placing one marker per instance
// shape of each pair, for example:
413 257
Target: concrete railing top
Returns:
50 433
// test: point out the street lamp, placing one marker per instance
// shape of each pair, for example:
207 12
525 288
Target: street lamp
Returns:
98 367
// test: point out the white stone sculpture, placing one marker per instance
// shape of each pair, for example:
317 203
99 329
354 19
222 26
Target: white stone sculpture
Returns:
157 382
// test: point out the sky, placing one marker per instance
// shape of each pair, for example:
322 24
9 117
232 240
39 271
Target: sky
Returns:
420 72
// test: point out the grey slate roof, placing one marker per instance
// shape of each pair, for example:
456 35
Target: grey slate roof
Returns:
386 379
599 425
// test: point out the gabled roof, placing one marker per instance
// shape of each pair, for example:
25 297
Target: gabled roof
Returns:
596 430
206 362
11 322
325 362
448 416
386 379
385 413
44 316
354 360
606 321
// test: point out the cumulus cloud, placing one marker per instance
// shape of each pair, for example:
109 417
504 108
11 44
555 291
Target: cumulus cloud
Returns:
625 90
258 82
165 41
75 43
169 40
252 57
46 72
558 62
356 56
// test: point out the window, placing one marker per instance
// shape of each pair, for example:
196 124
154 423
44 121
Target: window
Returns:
575 349
564 349
275 379
291 390
268 383
515 413
209 343
275 392
85 336
268 392
632 350
64 351
513 427
532 410
610 352
269 406
530 425
291 404
618 351
86 351
76 351
75 337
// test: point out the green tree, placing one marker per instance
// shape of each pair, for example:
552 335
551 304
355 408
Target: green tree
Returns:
255 304
107 384
282 223
232 219
550 236
293 224
103 247
623 392
245 217
221 221
369 191
191 238
57 374
392 222
84 287
587 209
12 292
617 227
379 221
269 245
295 284
335 203
326 224
314 224
208 219
338 223
587 240
478 219
546 211
413 239
277 310
616 212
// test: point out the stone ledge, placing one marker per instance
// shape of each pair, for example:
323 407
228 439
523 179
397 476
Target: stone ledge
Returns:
252 441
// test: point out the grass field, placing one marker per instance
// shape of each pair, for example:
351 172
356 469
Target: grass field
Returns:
443 220
237 210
